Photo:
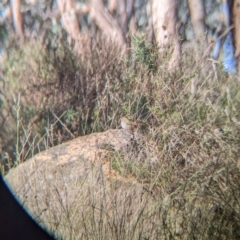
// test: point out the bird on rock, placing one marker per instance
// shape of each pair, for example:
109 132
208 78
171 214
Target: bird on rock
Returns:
127 124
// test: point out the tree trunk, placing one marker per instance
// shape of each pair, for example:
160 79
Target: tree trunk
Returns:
197 18
166 29
17 18
106 22
70 22
236 22
197 14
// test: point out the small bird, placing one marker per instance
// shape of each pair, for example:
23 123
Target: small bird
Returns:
217 130
127 124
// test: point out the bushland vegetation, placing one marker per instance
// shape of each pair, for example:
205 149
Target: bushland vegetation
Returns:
51 95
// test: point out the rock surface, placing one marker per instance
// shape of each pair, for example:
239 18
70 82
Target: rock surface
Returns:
76 175
70 160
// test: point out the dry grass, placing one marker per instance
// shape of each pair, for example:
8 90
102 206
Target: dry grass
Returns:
186 177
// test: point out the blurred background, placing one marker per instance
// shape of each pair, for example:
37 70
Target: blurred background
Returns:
166 22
